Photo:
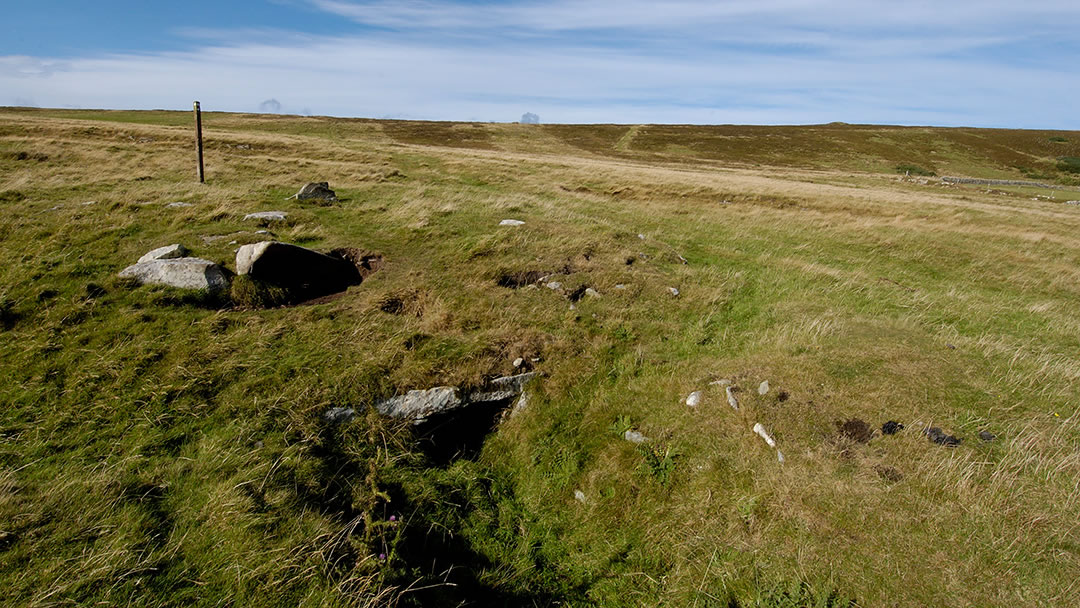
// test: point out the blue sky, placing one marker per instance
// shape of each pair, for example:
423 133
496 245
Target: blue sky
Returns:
978 63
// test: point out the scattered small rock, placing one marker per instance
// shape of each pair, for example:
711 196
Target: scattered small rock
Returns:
674 291
694 399
938 436
554 285
316 191
855 430
1072 202
634 437
950 346
732 401
179 205
760 430
167 252
337 415
592 293
511 223
720 382
519 362
88 203
641 236
987 436
267 216
763 388
579 496
891 427
620 286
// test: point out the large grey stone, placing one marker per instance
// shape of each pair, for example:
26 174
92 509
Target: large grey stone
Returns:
185 273
419 405
316 191
296 268
501 389
267 216
167 252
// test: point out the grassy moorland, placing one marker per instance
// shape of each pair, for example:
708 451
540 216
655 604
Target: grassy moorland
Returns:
166 448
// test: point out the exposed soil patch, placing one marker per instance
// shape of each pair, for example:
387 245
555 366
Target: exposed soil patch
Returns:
782 396
35 156
366 262
889 474
938 436
855 429
409 302
891 427
578 293
517 280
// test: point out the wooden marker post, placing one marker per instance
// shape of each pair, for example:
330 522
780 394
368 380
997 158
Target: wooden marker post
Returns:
198 140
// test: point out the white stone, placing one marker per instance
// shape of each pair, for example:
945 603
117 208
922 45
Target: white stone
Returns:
635 437
694 399
185 273
179 205
674 291
721 382
268 216
579 496
519 362
732 401
779 456
511 223
760 430
168 252
592 293
641 236
555 285
763 388
620 286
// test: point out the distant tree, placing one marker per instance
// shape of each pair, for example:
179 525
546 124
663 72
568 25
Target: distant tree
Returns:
528 118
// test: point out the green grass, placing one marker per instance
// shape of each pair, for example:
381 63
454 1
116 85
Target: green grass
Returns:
161 448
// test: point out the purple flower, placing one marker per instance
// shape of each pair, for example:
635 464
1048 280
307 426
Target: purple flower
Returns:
382 556
393 518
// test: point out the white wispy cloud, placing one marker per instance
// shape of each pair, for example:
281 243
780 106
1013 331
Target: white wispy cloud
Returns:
772 61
